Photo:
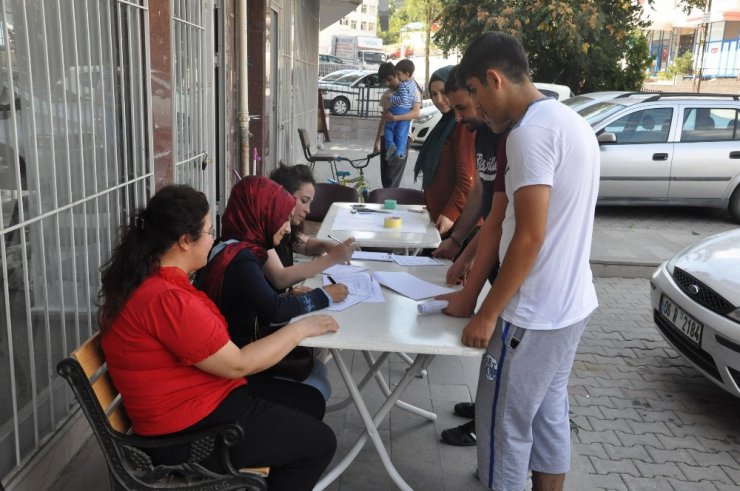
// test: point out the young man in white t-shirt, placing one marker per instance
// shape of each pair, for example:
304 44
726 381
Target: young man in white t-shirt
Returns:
532 319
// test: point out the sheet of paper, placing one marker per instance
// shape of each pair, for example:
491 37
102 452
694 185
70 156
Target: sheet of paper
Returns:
357 283
373 222
339 269
346 303
372 256
409 285
417 261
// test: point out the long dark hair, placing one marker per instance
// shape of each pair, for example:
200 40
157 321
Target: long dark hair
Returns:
172 212
292 177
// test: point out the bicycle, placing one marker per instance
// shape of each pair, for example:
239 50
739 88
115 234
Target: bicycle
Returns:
359 183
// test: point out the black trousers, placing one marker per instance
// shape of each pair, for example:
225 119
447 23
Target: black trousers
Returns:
390 176
283 430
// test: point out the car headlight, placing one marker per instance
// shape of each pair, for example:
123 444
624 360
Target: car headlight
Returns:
424 118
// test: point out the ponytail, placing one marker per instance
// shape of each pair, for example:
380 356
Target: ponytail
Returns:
172 212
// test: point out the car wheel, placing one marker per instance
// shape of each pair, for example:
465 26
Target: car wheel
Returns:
734 207
340 106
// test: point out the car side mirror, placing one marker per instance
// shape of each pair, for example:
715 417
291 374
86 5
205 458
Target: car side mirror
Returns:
607 137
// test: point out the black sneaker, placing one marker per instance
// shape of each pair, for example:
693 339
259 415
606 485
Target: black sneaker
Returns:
462 436
465 409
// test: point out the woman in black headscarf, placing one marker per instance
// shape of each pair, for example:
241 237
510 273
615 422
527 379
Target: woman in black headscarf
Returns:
446 161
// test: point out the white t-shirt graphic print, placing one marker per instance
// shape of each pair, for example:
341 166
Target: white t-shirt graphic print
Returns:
554 146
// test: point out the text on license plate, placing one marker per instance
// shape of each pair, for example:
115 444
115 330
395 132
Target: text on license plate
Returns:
682 321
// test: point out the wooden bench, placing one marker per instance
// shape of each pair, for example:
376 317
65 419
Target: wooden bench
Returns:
130 467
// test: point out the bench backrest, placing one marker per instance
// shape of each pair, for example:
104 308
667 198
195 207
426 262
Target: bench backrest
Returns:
91 358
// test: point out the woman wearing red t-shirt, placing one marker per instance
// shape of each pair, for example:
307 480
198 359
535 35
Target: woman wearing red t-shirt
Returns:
170 356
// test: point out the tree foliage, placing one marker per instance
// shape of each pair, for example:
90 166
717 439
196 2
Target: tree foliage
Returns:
424 11
586 44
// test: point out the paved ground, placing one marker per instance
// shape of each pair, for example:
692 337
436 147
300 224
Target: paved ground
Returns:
646 419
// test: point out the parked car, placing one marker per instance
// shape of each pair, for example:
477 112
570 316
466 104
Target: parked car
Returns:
555 91
353 91
428 119
669 149
695 297
337 74
578 102
330 59
408 52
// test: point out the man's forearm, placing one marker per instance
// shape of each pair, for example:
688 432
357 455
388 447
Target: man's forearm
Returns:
470 214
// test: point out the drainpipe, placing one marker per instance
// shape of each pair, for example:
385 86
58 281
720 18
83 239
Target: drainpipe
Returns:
243 91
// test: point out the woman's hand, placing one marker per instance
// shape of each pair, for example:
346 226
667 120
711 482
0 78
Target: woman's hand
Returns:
316 325
443 224
342 253
337 292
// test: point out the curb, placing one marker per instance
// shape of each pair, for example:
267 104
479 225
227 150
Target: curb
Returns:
622 269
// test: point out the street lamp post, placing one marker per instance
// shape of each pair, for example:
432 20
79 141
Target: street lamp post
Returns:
703 41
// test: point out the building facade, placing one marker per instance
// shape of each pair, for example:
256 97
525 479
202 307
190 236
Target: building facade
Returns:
711 35
102 102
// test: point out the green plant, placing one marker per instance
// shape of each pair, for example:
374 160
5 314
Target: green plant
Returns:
682 65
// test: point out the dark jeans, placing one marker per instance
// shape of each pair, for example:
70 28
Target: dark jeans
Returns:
390 176
283 430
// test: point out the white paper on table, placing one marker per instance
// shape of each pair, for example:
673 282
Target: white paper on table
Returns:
339 269
372 256
417 261
360 284
411 223
409 285
346 303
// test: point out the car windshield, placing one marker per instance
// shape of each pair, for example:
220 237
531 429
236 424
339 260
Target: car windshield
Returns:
334 76
348 79
374 57
597 112
577 101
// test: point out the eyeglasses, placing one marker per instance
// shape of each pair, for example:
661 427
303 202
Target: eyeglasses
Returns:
211 232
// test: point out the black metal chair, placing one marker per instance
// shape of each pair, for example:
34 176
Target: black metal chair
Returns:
328 193
403 196
312 158
129 467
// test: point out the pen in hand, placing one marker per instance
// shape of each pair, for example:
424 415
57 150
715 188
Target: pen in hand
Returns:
334 239
331 279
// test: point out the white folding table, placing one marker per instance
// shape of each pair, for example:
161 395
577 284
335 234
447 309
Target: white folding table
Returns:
417 231
390 327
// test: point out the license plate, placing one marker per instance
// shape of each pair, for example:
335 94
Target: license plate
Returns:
683 322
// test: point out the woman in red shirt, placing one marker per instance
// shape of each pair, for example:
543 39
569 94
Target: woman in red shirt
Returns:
170 356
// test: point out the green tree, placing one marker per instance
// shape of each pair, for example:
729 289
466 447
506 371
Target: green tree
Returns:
427 12
586 44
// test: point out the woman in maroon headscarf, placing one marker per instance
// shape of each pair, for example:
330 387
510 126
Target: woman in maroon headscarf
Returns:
256 219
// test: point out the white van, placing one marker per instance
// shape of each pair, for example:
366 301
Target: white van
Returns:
558 92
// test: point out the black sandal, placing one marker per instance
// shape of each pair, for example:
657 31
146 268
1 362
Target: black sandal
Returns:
462 436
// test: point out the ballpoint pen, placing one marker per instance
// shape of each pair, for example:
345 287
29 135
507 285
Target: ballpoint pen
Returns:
331 279
334 239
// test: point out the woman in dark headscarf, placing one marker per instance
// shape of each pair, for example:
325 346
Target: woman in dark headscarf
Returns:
446 160
256 219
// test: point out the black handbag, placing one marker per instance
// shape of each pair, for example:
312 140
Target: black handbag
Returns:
297 365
